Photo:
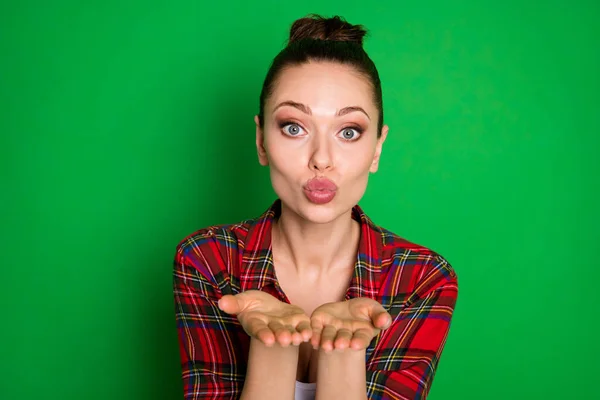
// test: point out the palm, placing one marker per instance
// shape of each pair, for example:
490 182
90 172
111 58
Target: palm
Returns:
348 324
265 318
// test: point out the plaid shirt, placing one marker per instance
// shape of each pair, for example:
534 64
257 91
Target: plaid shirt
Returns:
417 286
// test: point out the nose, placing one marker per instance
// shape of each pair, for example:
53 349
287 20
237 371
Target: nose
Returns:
321 158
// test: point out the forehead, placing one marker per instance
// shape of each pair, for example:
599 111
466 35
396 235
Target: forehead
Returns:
323 86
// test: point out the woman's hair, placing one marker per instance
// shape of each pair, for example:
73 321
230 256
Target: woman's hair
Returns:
315 38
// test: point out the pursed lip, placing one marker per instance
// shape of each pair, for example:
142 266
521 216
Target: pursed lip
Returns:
320 190
320 184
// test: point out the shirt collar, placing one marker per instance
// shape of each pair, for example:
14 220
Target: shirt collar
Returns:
257 269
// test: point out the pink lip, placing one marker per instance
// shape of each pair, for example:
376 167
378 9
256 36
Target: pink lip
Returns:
320 190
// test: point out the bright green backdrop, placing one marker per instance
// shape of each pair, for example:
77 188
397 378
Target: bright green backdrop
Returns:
126 125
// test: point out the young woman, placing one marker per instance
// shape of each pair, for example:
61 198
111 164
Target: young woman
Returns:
312 299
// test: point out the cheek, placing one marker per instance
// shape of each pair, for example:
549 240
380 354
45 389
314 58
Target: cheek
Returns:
358 163
276 156
357 175
284 154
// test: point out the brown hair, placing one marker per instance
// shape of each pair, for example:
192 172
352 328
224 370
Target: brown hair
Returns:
315 38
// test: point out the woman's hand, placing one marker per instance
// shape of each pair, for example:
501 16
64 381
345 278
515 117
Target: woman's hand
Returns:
267 319
348 324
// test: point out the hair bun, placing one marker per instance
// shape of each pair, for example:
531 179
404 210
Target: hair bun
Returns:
335 28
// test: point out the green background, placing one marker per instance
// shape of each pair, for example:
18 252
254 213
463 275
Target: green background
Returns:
126 125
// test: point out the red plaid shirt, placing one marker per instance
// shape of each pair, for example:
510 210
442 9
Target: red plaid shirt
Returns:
417 286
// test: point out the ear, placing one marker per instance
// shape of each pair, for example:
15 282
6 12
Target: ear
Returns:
379 146
260 143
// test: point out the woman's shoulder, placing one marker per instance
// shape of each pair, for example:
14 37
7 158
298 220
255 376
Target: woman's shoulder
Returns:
223 234
397 253
410 271
214 249
413 261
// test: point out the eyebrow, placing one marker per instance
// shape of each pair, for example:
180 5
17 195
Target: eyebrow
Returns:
306 109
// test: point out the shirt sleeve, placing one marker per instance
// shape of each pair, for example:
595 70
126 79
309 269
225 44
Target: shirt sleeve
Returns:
405 356
211 348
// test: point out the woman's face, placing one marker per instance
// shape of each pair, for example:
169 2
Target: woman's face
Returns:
320 122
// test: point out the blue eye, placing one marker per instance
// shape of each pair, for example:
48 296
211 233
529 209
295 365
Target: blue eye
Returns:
350 134
292 129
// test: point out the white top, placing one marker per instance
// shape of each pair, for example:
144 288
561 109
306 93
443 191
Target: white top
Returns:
305 391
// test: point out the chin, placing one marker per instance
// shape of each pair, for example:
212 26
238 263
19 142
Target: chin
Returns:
321 214
318 213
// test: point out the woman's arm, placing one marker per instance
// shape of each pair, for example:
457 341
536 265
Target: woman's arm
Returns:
405 354
213 336
271 372
212 344
276 329
341 375
342 331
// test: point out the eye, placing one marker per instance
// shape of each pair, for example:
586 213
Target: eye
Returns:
291 129
350 134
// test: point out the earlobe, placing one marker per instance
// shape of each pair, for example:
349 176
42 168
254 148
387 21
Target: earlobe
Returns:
260 143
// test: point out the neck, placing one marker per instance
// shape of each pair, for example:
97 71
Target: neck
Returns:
315 248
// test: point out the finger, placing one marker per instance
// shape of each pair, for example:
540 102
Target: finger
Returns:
282 333
361 339
231 304
317 329
327 337
305 330
382 320
261 331
299 329
342 339
266 336
296 337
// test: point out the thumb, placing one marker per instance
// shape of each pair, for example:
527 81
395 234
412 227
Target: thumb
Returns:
380 318
231 304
